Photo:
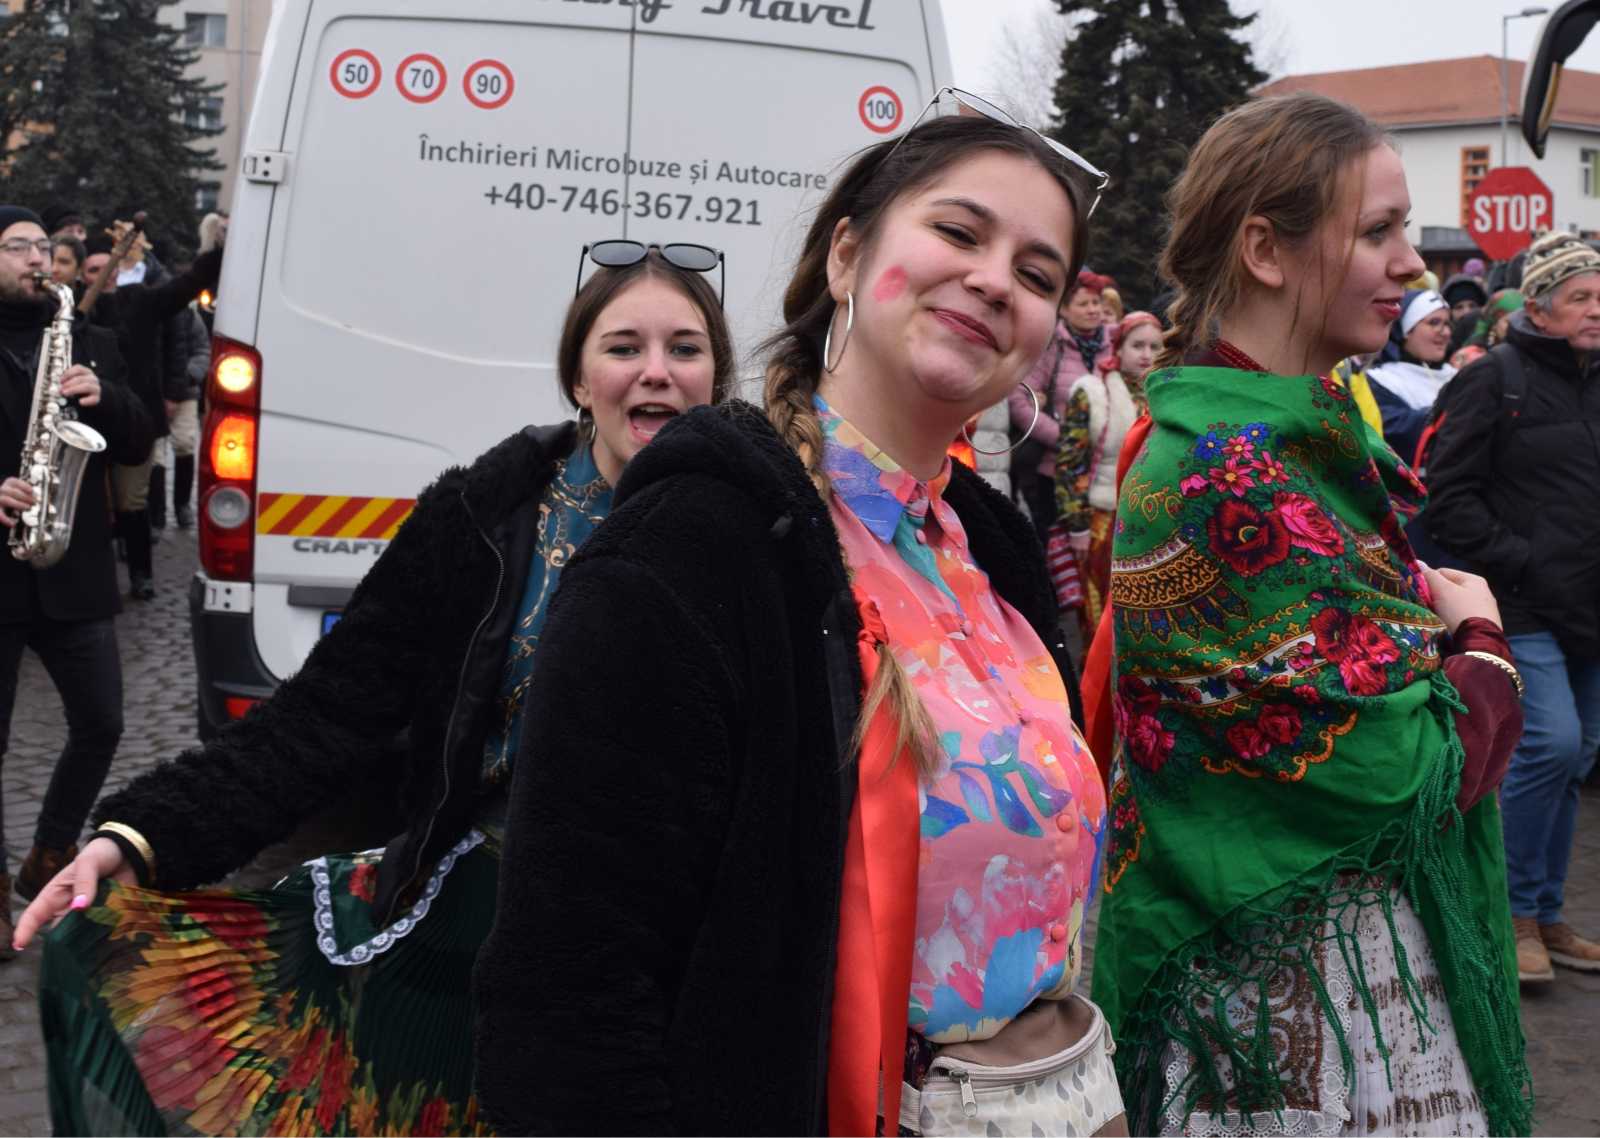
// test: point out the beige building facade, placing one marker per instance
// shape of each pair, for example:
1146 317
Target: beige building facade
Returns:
227 35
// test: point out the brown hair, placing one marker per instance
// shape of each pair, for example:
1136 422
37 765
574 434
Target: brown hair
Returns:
875 180
1285 157
607 284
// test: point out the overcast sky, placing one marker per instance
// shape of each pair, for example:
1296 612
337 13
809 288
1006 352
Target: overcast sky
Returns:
1304 35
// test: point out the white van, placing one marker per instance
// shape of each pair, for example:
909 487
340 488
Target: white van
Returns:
418 180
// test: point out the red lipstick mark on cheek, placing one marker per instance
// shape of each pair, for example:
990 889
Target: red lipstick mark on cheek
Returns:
890 285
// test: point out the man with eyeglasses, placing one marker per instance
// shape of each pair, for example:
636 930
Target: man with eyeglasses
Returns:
63 613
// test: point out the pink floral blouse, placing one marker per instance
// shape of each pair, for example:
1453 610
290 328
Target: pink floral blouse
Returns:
1013 817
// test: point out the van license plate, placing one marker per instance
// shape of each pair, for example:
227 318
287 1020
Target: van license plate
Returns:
329 619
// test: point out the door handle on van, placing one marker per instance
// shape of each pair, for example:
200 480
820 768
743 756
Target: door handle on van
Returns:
268 166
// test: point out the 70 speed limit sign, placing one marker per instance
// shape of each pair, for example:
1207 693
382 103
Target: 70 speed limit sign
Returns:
420 77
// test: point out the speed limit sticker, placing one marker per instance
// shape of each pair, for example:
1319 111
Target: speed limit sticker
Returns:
488 84
355 73
881 109
420 77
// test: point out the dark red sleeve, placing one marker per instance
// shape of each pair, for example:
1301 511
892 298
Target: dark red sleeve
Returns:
1492 723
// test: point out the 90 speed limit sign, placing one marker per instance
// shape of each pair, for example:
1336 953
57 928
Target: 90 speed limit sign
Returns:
488 84
420 77
355 73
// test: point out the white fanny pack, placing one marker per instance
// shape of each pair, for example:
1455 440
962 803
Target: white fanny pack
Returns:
1072 1092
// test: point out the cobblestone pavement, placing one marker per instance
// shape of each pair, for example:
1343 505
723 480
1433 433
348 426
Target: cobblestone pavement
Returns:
159 712
160 709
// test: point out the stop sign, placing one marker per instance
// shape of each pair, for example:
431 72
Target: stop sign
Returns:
1508 205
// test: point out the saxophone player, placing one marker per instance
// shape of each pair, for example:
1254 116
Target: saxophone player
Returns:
63 613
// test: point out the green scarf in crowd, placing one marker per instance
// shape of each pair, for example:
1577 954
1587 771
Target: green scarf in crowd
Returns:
1288 751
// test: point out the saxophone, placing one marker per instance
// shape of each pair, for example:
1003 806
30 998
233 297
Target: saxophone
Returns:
57 447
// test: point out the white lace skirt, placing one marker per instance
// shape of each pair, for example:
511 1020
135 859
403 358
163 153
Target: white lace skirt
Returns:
1426 1090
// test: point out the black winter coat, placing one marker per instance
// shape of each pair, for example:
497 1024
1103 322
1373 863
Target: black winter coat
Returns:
394 696
1514 490
141 315
663 949
83 584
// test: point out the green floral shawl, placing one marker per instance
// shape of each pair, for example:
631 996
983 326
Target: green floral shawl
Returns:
1287 748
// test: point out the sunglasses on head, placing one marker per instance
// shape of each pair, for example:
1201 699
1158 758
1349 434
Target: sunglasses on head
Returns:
621 254
954 101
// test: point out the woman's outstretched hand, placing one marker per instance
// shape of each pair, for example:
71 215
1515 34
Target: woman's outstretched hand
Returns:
73 888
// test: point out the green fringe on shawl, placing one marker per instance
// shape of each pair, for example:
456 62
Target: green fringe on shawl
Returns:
1421 854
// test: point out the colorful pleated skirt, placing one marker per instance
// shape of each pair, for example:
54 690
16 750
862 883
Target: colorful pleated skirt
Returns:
281 1011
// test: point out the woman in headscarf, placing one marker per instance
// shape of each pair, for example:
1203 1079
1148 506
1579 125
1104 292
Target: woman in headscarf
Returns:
1307 927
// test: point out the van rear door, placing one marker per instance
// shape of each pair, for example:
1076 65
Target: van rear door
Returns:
445 162
407 318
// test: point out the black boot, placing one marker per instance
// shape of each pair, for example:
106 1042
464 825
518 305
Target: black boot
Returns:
183 489
135 529
157 502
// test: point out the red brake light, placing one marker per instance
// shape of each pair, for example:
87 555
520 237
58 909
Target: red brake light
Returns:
228 461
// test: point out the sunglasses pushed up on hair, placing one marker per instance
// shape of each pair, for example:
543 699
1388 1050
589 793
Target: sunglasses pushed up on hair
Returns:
619 254
954 101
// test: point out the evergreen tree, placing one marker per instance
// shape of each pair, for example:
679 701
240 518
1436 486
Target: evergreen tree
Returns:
101 113
1141 81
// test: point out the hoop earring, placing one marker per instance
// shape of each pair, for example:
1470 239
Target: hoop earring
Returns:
1037 409
849 326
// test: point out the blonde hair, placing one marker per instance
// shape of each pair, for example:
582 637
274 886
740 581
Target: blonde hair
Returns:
873 182
1285 157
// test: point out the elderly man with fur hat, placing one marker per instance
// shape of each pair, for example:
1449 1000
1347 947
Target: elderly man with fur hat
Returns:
1515 491
63 613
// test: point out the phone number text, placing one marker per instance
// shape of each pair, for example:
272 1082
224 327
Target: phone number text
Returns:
663 206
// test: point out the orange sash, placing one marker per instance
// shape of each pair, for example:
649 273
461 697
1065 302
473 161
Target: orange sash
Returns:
1097 680
877 921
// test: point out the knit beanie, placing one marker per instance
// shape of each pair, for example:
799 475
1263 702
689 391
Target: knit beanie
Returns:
13 214
98 243
1554 258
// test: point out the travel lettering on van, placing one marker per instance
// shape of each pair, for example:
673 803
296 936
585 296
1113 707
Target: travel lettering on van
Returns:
648 9
794 12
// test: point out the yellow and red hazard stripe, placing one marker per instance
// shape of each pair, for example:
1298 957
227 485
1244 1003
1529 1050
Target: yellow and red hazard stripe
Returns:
331 515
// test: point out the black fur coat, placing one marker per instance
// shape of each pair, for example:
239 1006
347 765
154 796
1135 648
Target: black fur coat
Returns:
663 949
390 704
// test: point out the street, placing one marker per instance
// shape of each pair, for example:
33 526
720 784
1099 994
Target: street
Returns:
160 697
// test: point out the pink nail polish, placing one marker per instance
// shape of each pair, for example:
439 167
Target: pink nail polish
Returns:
81 901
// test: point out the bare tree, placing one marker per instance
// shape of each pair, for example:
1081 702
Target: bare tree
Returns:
1027 60
1269 36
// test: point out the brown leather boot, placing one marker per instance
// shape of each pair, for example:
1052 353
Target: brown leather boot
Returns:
7 929
1533 962
41 864
1568 949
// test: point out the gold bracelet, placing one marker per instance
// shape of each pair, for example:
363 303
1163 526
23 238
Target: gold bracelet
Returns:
1505 666
137 841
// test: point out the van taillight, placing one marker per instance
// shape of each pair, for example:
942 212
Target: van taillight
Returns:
228 461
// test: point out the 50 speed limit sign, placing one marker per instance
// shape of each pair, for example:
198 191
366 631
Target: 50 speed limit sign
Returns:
420 77
355 73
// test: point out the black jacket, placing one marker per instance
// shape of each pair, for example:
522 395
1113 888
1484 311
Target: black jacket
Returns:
393 697
140 315
663 949
1515 488
83 584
